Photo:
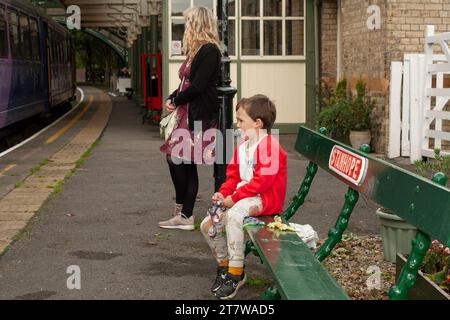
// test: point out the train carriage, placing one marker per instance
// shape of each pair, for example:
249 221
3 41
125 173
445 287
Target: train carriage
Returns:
37 65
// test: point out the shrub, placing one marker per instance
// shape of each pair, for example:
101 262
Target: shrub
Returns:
341 111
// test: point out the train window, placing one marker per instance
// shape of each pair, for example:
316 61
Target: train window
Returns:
65 51
25 37
34 39
52 47
3 35
55 48
59 52
14 34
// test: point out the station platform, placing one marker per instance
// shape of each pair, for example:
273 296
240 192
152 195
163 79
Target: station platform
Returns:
91 194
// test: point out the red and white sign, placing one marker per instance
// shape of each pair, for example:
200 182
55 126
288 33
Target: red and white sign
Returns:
348 165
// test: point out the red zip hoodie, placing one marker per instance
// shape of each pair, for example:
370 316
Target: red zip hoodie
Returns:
269 177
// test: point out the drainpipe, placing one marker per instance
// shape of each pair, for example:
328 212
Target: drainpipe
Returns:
339 43
318 19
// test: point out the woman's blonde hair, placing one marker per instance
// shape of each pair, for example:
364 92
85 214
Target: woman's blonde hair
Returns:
200 28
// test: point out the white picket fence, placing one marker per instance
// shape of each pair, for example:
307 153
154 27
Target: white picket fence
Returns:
416 103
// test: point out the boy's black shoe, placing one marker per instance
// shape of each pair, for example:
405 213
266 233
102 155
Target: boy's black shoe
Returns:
231 286
220 278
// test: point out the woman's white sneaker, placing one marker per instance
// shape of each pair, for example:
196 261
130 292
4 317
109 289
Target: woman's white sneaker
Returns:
178 222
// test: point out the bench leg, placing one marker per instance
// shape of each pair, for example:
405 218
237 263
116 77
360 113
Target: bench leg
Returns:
408 276
335 234
249 247
271 294
299 198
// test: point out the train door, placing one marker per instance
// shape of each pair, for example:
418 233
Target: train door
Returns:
43 32
48 41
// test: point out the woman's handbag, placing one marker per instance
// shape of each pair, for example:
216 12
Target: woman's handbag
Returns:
169 121
167 124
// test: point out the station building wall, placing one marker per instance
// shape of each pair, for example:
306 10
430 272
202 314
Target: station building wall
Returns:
349 49
267 49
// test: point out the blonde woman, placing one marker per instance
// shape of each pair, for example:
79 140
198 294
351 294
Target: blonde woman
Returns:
196 102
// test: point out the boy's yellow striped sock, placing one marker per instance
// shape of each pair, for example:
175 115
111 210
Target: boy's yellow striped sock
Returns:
223 264
236 271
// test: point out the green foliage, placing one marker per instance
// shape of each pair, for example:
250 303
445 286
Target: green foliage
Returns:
341 92
441 163
258 282
341 112
361 108
436 265
335 119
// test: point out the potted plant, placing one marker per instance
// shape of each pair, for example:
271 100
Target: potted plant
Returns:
361 107
433 280
346 116
396 233
334 110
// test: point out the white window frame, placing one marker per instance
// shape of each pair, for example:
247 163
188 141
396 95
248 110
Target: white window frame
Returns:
261 20
181 18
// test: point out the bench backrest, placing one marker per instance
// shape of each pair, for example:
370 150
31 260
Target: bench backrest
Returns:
419 201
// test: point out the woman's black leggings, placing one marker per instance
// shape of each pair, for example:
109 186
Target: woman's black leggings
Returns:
185 179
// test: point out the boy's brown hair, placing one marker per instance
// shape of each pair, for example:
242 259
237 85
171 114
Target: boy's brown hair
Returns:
259 107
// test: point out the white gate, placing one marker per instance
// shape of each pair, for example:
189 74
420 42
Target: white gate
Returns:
417 104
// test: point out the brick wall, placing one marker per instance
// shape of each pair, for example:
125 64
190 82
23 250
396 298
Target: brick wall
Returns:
328 54
367 54
363 57
406 22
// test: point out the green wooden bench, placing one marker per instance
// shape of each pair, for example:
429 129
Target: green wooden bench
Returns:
297 272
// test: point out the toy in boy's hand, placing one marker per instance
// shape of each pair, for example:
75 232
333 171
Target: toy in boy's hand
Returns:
214 213
252 222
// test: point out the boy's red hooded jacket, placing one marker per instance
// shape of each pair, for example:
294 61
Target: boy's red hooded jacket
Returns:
269 177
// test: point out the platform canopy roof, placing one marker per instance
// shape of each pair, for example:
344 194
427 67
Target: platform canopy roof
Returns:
121 20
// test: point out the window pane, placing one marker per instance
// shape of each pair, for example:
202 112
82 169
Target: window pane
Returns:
231 37
294 8
14 34
250 38
294 38
232 8
34 39
178 6
25 37
250 8
3 39
273 38
177 37
205 3
273 8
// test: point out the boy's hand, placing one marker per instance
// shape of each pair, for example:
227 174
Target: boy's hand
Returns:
228 202
217 197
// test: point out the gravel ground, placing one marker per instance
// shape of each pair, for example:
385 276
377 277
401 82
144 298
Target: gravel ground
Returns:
352 263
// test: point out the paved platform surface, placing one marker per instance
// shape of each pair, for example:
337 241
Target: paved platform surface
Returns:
104 220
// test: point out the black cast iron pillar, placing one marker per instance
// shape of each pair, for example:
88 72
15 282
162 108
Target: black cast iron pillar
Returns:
226 96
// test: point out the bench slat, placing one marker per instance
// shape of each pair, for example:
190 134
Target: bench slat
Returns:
415 199
297 272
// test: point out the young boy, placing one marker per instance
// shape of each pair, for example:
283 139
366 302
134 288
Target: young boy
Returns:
255 185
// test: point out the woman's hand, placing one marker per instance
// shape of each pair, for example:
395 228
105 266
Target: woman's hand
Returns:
217 197
169 107
228 202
